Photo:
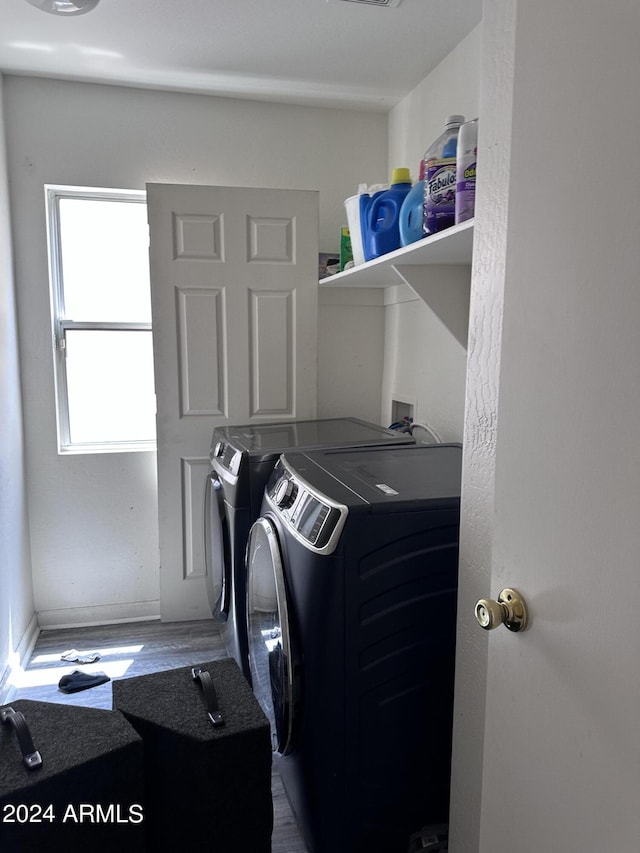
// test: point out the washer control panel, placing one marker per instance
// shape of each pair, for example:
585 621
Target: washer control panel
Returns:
285 492
226 456
312 518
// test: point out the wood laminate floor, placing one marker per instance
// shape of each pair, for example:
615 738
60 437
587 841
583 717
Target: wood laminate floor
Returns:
126 651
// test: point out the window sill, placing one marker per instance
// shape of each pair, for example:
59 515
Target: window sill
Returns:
86 449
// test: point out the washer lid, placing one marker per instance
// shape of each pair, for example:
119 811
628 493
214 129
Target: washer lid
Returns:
273 439
387 476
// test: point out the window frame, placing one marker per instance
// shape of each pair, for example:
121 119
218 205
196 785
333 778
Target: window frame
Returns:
54 193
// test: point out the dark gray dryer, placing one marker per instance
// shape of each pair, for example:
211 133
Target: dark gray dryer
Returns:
352 589
242 459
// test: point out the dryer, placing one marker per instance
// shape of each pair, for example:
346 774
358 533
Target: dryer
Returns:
242 458
352 589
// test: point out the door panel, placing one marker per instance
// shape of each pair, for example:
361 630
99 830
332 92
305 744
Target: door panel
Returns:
200 319
193 476
272 342
234 302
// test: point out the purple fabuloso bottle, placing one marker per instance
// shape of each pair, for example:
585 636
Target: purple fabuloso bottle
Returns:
440 179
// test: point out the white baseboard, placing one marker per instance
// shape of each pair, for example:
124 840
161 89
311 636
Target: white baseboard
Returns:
28 641
19 657
103 614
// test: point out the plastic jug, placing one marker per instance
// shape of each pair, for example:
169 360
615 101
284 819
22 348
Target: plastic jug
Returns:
412 212
352 206
466 171
366 201
357 207
440 178
382 231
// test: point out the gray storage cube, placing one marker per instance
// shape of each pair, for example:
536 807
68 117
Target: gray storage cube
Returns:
206 786
87 794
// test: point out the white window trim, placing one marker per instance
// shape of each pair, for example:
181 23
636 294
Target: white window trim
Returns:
53 194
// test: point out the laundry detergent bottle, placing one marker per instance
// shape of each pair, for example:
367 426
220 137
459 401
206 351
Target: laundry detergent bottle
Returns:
412 212
440 178
382 232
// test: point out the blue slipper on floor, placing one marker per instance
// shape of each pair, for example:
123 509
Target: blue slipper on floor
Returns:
81 681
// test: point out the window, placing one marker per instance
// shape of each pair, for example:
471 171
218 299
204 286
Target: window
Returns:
101 313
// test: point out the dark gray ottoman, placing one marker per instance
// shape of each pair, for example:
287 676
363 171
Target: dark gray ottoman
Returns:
88 793
206 787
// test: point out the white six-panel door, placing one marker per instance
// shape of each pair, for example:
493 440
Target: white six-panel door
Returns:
234 275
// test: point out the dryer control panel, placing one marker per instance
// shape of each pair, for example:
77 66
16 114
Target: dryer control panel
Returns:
313 519
225 458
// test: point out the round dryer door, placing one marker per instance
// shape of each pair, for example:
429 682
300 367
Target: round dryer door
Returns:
269 635
217 553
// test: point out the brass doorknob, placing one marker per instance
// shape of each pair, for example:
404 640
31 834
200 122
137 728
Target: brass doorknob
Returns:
509 610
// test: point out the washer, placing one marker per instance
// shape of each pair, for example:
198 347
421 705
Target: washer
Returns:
242 458
352 589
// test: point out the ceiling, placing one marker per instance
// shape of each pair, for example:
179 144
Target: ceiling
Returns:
325 52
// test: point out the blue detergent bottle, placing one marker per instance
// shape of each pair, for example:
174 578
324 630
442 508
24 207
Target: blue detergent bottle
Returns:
412 212
366 200
382 232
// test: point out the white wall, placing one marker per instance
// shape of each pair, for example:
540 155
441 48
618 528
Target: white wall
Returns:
93 518
425 363
16 594
452 87
351 345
